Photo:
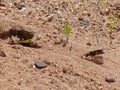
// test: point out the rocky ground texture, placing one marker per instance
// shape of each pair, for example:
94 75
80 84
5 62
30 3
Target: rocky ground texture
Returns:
52 61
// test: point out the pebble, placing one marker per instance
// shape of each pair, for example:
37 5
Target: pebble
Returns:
3 7
85 22
65 70
85 13
21 7
35 44
40 65
110 80
107 11
98 60
100 87
89 44
49 17
57 41
2 54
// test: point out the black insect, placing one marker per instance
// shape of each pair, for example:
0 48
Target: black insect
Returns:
95 52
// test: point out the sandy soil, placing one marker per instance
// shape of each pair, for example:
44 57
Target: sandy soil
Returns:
67 67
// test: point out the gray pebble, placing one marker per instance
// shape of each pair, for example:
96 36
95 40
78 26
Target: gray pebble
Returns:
40 65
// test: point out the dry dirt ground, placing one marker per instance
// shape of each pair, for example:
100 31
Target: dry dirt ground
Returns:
43 21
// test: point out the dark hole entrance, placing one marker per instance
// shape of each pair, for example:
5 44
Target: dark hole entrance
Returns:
22 37
17 36
22 34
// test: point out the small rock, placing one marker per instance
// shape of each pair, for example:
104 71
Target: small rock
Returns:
80 18
3 7
65 70
57 41
110 80
2 4
14 40
40 65
2 54
107 11
100 87
38 37
98 59
85 13
16 4
19 83
89 44
85 22
49 17
21 7
35 44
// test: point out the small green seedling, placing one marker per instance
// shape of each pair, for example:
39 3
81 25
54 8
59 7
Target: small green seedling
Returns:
102 5
112 26
67 32
113 21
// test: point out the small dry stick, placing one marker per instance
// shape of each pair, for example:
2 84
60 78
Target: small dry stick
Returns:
98 41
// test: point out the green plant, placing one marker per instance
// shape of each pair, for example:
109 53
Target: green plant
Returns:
67 32
85 4
113 21
25 42
102 5
111 27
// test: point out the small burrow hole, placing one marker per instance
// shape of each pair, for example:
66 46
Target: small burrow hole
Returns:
22 34
16 35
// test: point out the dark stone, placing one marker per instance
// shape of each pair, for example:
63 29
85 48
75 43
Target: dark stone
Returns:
40 65
89 44
65 70
2 54
85 22
110 80
2 4
21 7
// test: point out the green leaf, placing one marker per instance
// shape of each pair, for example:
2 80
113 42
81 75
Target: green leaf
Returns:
110 17
26 41
111 27
67 29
